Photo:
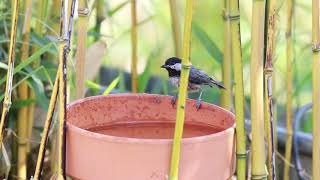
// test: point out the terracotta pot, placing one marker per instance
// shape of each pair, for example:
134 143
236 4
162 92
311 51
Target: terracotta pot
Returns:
129 137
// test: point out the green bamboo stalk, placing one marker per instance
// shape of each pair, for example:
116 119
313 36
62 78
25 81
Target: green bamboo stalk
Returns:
47 125
234 16
316 90
289 91
101 13
134 73
186 65
226 64
83 12
268 73
176 31
7 98
256 68
23 95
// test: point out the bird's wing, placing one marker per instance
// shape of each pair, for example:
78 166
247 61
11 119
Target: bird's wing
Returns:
197 76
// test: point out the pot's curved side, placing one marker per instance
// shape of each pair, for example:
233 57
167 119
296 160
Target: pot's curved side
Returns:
95 156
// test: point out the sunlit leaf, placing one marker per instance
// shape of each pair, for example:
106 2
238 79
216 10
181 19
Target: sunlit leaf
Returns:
26 62
112 85
3 66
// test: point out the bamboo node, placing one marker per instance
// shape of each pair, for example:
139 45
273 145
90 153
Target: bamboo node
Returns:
6 105
83 11
186 66
259 176
241 155
62 40
315 47
230 17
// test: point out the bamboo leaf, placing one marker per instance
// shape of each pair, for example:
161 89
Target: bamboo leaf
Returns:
116 9
26 62
36 85
3 66
20 103
23 79
92 85
208 44
112 85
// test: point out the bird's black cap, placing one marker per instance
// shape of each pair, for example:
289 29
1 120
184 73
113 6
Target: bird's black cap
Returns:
171 61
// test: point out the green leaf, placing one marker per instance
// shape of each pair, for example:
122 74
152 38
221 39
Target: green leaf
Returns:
38 88
206 41
112 85
92 85
22 103
23 79
3 66
116 9
122 84
26 62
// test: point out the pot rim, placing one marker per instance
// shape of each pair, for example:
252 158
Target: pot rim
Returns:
118 139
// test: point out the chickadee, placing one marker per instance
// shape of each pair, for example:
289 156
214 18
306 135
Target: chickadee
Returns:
197 78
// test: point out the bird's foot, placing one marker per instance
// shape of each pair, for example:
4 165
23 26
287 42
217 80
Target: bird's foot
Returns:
198 104
173 100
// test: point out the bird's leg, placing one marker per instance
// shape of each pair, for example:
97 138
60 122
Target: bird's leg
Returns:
174 99
198 103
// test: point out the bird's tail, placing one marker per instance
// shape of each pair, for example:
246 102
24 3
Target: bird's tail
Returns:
218 84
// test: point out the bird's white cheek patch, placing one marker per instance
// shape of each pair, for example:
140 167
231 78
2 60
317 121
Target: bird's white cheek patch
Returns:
176 67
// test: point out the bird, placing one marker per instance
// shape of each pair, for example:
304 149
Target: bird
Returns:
197 78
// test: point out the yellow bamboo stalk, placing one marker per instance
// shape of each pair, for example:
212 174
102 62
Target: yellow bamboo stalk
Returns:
83 12
289 92
176 31
23 95
186 65
234 16
7 97
226 71
134 61
47 125
268 73
316 90
64 47
256 74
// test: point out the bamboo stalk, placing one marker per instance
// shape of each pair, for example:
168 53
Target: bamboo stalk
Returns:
101 12
176 31
226 71
234 16
23 95
134 73
186 65
47 125
268 73
256 68
83 12
289 91
64 48
316 90
7 98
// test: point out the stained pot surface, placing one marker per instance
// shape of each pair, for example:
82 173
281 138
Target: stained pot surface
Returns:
129 135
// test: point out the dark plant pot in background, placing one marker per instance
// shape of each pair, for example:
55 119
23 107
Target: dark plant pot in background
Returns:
129 136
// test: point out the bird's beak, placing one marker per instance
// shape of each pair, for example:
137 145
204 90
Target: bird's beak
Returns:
164 66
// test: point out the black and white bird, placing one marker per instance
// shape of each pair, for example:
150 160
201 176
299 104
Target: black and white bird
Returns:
197 78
